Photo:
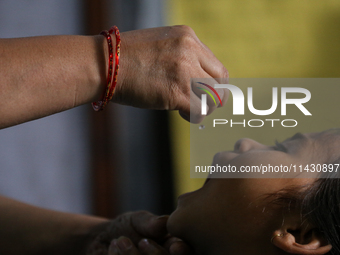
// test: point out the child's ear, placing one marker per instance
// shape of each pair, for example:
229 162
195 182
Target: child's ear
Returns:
299 241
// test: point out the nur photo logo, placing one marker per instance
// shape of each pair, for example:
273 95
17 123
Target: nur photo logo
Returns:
238 108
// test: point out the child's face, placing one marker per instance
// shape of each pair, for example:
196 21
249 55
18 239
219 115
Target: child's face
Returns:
231 216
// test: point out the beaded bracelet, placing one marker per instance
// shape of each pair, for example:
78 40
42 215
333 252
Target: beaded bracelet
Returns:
110 83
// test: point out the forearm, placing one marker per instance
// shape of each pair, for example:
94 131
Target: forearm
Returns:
40 76
26 229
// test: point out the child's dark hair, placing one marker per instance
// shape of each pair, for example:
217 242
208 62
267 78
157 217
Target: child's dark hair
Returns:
321 205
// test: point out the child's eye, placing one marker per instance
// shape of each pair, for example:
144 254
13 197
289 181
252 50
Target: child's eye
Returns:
280 147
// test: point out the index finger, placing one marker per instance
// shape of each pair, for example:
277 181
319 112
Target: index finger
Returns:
213 67
176 246
150 225
211 64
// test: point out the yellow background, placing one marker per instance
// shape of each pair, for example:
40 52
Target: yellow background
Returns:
257 38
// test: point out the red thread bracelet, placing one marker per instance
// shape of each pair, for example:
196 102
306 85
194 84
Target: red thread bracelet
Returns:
110 83
114 82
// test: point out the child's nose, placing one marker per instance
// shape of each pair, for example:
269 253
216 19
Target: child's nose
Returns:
246 144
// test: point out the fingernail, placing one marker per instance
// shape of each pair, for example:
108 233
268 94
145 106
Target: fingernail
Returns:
146 246
162 217
113 247
175 249
124 243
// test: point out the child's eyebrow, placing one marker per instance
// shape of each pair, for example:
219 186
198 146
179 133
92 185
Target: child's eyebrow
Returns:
298 136
280 146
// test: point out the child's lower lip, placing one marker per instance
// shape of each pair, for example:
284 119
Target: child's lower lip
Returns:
188 193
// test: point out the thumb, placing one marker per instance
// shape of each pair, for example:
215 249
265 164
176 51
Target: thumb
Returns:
191 110
149 225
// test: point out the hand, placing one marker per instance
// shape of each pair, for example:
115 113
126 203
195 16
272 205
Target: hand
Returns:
156 66
137 226
124 245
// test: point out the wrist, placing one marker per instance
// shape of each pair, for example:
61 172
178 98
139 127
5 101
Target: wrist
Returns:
101 66
88 235
79 237
113 55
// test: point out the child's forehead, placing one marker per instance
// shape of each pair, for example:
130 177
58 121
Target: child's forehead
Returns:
329 136
300 138
327 141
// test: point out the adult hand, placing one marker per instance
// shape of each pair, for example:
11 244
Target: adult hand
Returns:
136 226
124 245
156 66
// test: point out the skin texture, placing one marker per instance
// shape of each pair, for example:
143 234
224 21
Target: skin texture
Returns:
44 75
40 76
157 65
235 216
27 229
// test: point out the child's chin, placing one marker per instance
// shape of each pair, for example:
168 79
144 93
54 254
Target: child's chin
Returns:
175 224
